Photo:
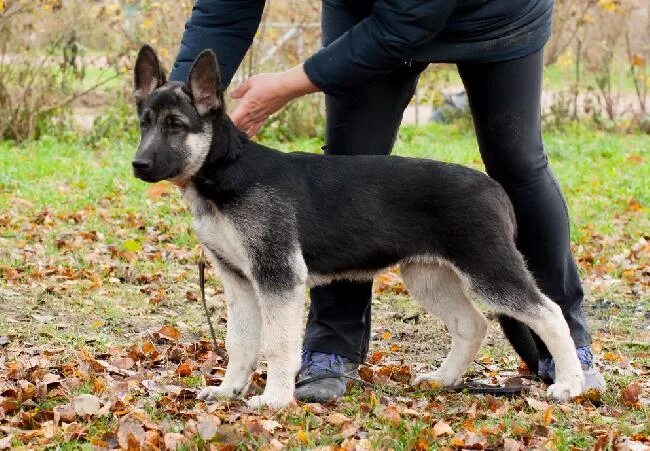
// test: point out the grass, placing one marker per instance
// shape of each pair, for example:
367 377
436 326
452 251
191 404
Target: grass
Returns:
92 258
560 77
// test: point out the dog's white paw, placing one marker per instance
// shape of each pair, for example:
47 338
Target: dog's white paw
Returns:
276 403
216 393
562 391
434 380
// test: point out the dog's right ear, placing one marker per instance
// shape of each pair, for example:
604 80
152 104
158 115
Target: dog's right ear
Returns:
147 75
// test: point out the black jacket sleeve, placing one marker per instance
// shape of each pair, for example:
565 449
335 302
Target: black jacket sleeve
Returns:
225 26
377 44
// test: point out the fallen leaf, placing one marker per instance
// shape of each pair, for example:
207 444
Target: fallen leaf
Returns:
366 374
349 429
86 404
65 413
130 434
337 418
635 158
132 246
270 425
389 414
634 205
207 427
123 363
173 440
302 436
169 332
630 394
375 357
536 404
184 370
510 444
152 438
441 428
158 190
548 415
637 60
429 385
5 442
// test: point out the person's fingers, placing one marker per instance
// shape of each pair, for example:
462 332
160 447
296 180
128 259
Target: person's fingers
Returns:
256 128
238 116
252 129
250 118
239 92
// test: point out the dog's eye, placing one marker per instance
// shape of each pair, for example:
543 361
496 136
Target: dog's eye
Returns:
174 125
145 120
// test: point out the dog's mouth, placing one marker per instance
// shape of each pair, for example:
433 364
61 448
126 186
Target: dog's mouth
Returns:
147 176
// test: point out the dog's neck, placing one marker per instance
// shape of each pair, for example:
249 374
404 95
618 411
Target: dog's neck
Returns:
227 141
226 148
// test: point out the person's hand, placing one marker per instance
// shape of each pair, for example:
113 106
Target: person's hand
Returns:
264 94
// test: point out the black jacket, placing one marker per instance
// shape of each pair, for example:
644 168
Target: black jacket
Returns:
389 33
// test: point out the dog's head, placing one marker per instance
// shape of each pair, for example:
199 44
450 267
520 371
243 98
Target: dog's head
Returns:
176 119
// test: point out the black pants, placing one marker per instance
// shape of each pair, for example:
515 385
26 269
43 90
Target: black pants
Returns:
505 102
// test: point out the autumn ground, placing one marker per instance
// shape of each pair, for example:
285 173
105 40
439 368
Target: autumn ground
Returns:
103 342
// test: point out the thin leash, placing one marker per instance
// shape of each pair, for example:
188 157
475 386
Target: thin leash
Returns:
217 349
475 388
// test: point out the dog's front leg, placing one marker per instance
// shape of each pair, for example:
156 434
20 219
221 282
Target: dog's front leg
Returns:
282 324
242 338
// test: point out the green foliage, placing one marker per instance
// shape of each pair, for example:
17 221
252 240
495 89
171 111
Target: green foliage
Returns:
302 118
117 122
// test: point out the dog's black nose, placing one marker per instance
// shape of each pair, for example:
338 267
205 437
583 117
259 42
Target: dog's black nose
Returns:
141 165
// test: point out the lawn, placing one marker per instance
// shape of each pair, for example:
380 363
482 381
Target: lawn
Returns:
103 342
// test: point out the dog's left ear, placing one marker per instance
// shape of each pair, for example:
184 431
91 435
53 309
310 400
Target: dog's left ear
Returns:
147 75
204 82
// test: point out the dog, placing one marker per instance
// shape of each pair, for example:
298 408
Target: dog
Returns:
274 224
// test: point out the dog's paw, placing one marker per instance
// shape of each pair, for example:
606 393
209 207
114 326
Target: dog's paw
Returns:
216 393
275 403
564 391
429 381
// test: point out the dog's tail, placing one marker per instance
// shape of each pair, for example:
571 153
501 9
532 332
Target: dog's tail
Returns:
504 202
522 339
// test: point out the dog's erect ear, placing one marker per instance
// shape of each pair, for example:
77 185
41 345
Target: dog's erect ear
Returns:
147 75
204 82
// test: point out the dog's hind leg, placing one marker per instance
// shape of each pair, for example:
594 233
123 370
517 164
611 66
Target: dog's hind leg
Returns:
282 325
242 337
439 289
545 318
508 287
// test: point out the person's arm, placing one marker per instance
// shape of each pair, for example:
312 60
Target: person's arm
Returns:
377 44
225 26
372 48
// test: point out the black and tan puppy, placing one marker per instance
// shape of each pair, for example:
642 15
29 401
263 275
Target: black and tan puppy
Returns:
275 223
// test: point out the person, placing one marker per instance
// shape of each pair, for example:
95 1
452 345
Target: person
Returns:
373 52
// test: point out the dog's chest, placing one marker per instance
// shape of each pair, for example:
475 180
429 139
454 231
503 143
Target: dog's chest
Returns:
217 233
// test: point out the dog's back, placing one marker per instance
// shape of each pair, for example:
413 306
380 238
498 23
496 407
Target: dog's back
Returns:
353 216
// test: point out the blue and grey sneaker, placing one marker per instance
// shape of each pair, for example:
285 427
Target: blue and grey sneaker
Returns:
593 378
323 377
